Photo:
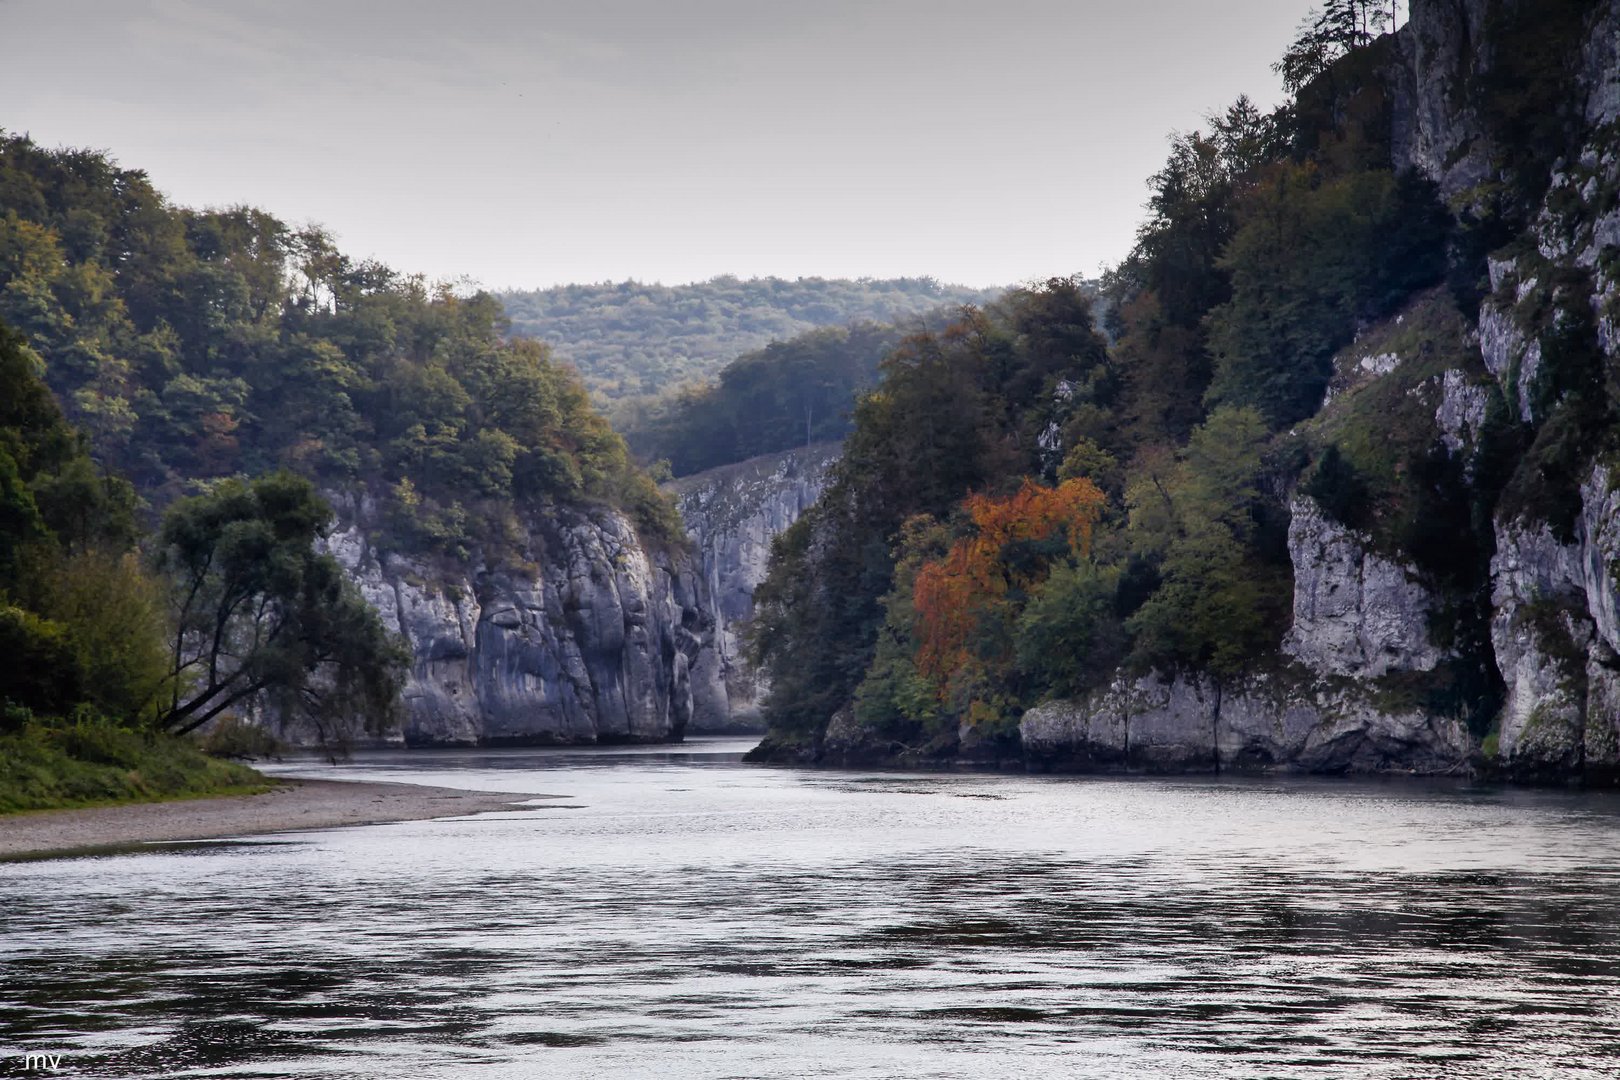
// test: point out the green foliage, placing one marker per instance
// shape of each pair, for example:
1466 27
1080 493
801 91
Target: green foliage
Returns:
1212 536
633 339
1338 489
80 620
1070 636
1315 257
194 345
790 393
894 697
42 669
113 611
89 761
956 411
1329 34
260 613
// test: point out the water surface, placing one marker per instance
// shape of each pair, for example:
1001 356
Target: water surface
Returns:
682 915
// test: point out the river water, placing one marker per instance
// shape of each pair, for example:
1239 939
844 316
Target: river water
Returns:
681 915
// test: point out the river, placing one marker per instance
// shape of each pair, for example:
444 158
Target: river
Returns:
681 915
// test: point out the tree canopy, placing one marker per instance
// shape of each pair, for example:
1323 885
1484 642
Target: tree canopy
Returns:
193 345
633 339
260 614
1271 241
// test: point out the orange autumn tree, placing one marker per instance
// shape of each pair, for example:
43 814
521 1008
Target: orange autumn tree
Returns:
954 595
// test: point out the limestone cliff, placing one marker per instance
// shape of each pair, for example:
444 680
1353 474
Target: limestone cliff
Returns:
732 514
591 638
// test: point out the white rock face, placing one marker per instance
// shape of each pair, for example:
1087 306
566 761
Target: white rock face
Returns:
1600 71
1509 354
1461 412
1355 612
1428 131
595 643
1556 635
732 514
1180 724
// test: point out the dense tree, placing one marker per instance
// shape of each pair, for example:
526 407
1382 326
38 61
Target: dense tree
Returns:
1330 33
790 393
195 345
260 613
632 339
958 411
1316 257
982 577
81 621
1270 242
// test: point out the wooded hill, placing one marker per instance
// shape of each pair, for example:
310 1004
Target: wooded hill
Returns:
631 339
198 344
936 591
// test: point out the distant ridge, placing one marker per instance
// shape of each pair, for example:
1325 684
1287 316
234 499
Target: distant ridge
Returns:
630 338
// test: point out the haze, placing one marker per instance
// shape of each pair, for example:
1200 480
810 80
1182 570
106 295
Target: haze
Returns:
525 144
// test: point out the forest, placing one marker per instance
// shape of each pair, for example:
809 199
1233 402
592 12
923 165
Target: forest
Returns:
1033 502
790 393
181 388
195 345
633 340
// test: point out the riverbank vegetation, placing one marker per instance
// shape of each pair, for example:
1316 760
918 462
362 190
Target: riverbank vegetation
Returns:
112 654
177 389
54 764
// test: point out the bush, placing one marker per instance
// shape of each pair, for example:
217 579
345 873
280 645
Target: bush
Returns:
238 740
1070 637
90 761
41 669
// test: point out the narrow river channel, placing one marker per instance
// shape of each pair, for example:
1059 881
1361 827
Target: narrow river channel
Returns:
680 914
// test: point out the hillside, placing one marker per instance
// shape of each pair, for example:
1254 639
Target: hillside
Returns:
1334 491
193 345
486 513
631 339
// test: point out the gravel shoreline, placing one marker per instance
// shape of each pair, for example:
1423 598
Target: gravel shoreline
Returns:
291 804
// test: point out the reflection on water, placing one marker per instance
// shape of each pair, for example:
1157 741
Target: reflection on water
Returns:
690 917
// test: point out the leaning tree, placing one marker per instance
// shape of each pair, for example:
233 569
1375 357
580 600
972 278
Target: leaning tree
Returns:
261 615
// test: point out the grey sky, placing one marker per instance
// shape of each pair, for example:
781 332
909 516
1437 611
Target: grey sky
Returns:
530 143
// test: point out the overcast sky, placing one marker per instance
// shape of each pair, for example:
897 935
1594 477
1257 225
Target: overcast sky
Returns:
531 142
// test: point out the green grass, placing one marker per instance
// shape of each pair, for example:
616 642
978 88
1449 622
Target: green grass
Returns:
53 765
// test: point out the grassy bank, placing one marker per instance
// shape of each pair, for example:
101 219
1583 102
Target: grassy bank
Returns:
47 766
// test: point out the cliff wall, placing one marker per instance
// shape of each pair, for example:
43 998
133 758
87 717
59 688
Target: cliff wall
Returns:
590 638
732 514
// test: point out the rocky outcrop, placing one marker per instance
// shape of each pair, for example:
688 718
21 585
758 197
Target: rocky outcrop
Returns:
591 638
1263 724
1433 128
732 514
1356 613
1556 634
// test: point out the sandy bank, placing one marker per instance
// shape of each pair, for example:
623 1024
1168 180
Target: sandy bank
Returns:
292 804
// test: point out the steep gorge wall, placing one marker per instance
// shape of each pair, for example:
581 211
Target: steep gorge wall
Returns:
732 514
594 638
1367 626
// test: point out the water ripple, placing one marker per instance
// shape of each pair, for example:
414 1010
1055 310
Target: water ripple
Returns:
697 919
